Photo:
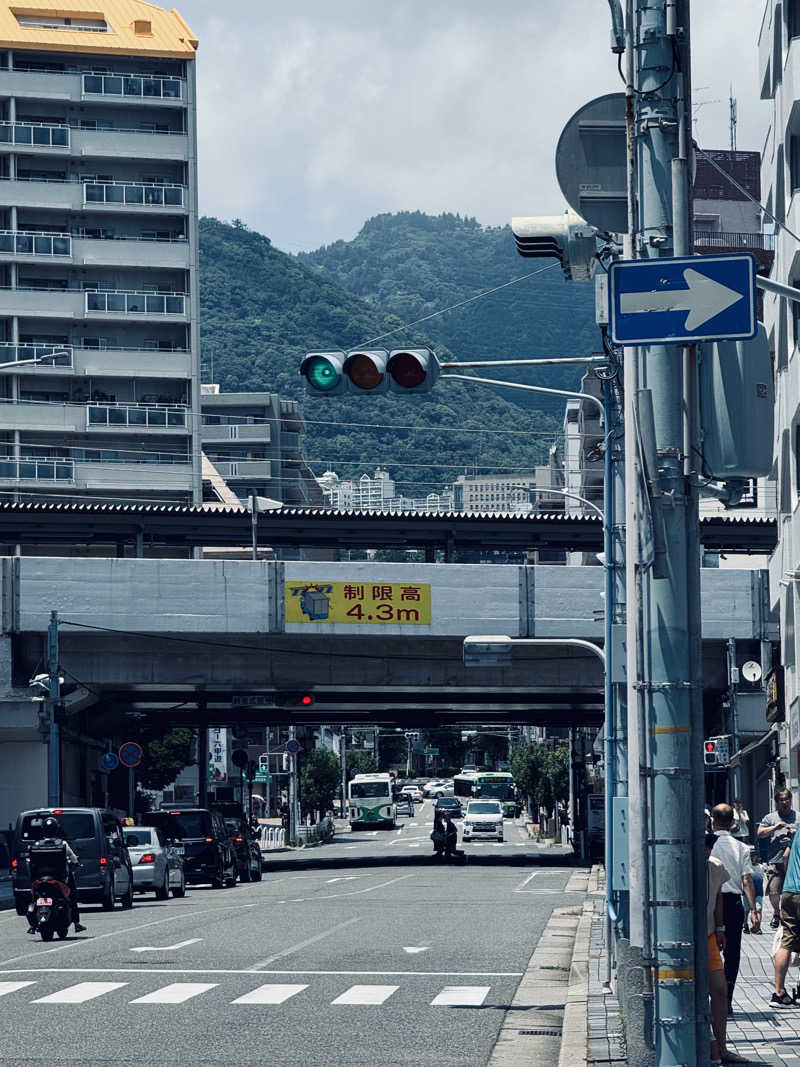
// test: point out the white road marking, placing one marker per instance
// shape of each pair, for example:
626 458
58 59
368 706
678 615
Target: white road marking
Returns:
168 948
270 994
304 944
462 996
12 987
521 888
355 893
412 951
412 845
170 971
78 994
343 878
366 994
176 993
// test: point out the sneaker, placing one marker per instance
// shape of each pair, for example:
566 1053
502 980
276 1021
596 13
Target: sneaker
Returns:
79 928
775 922
745 929
782 1001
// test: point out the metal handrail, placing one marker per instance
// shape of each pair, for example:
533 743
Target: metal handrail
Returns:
80 180
725 239
93 73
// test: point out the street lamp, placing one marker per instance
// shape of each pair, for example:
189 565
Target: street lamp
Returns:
533 490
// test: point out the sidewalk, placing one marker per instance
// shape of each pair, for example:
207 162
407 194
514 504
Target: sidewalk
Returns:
593 1027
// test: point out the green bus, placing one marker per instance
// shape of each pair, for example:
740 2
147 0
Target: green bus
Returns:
370 801
492 785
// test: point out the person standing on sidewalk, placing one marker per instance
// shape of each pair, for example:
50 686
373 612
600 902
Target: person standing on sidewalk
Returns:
741 826
790 917
775 833
716 875
758 890
734 855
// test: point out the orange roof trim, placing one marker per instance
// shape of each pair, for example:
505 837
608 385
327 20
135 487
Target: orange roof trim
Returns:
134 28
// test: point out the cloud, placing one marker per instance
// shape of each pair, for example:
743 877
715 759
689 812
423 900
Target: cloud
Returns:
313 119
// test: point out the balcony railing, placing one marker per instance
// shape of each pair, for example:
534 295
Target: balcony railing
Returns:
23 243
133 193
62 355
715 239
136 85
129 303
121 415
35 133
39 470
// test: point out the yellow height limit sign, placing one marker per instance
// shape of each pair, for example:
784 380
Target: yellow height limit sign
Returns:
370 603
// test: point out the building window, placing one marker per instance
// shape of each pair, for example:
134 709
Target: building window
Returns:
793 18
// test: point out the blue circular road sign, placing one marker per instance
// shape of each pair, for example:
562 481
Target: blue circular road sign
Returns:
109 761
130 754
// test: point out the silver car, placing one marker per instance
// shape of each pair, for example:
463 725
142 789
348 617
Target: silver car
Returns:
157 863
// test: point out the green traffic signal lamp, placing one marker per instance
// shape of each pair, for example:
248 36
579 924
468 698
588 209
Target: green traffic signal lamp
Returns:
404 370
324 373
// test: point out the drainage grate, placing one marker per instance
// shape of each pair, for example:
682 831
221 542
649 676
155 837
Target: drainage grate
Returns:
541 1033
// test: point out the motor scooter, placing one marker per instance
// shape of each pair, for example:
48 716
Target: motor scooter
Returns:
49 911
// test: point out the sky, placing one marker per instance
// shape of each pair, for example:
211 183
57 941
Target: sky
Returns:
314 117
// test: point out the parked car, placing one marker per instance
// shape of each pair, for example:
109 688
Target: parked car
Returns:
105 874
483 818
448 806
413 792
246 847
157 864
201 836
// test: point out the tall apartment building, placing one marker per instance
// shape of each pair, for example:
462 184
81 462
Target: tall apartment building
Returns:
255 442
779 73
98 253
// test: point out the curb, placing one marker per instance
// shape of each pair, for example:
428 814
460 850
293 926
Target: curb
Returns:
575 1039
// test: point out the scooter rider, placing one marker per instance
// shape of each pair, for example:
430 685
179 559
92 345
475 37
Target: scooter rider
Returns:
53 835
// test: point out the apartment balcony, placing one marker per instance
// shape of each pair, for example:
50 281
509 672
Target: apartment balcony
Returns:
70 361
244 469
35 138
78 304
129 198
259 432
24 245
144 477
108 418
76 87
36 473
129 252
127 144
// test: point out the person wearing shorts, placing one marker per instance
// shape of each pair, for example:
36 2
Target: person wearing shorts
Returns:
790 919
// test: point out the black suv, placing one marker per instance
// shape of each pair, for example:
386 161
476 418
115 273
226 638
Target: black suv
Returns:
248 854
201 836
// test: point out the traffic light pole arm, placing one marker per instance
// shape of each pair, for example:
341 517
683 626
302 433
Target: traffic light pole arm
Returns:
562 492
540 642
529 388
549 361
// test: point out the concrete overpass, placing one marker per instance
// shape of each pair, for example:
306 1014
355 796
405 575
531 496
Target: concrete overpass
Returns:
218 642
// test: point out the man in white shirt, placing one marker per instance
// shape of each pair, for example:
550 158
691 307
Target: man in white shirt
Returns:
735 857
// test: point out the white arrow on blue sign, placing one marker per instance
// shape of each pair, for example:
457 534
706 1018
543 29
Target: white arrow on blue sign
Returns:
683 300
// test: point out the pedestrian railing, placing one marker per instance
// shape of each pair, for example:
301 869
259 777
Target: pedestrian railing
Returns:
271 837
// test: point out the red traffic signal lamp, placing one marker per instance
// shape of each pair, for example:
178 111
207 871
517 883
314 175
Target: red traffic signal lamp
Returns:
296 700
403 370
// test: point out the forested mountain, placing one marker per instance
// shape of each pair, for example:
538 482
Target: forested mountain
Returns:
261 310
412 265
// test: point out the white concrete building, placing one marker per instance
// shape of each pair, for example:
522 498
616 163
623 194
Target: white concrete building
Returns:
98 253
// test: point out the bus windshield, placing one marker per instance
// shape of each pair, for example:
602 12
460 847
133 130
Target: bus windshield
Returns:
361 790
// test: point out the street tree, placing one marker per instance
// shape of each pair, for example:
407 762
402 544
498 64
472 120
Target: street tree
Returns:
319 781
360 762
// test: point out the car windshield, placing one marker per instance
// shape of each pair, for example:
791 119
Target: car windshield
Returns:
362 790
447 802
143 837
189 824
486 808
235 827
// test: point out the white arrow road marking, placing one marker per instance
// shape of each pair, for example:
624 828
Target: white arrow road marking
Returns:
411 950
168 948
704 299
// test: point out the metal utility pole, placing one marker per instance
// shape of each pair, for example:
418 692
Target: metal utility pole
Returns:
735 781
343 746
53 699
669 678
292 791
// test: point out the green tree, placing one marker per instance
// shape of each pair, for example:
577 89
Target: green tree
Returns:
319 781
164 758
541 774
360 762
393 751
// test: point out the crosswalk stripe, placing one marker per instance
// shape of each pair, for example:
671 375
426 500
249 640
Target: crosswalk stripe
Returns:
12 987
177 993
461 996
270 994
77 994
366 994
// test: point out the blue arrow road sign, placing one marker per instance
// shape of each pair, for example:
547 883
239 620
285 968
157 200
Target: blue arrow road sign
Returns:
683 300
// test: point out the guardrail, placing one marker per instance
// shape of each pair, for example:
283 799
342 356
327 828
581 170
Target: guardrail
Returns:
271 837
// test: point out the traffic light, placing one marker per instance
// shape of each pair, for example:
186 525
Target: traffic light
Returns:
567 238
716 752
295 700
403 370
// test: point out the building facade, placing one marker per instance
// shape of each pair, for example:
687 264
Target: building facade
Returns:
255 442
99 390
779 73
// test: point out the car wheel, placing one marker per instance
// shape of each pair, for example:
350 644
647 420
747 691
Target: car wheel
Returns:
180 891
245 875
109 895
257 872
127 900
21 904
218 881
231 880
162 892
